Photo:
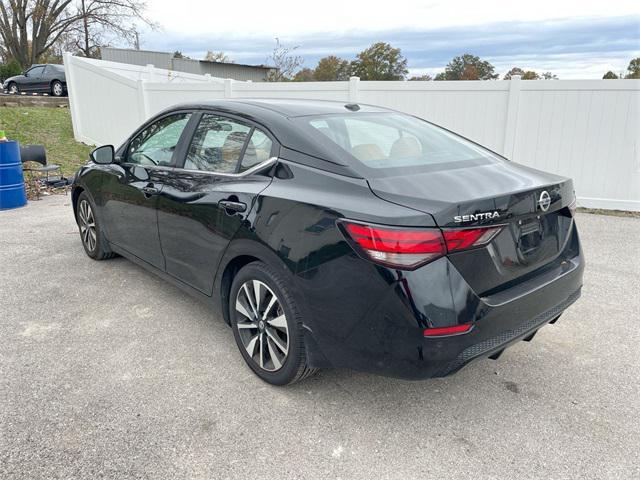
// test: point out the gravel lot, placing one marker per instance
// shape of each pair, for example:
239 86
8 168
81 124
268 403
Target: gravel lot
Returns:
107 371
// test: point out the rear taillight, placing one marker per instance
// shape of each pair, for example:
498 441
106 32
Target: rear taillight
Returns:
469 237
409 248
396 247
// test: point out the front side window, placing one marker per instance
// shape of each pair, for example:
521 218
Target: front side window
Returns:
157 142
393 140
217 145
35 72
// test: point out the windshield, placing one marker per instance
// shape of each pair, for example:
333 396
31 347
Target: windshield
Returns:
394 140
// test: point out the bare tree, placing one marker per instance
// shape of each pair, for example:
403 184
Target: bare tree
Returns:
217 57
285 63
29 28
99 19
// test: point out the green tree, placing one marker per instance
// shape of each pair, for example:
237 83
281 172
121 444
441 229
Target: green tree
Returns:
331 68
380 62
549 76
610 76
633 68
468 67
421 78
304 75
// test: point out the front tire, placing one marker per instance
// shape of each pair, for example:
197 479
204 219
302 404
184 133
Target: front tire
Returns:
267 325
13 89
93 241
56 88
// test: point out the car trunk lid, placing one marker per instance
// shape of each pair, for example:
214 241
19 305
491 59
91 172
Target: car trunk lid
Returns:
529 204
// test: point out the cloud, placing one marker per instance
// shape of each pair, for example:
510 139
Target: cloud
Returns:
572 48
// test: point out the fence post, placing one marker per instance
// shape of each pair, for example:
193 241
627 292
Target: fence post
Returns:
228 88
143 104
353 89
149 74
510 131
70 73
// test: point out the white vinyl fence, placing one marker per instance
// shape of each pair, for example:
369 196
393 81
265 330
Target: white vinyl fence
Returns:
588 130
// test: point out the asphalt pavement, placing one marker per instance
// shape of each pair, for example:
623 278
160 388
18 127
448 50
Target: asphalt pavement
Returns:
106 371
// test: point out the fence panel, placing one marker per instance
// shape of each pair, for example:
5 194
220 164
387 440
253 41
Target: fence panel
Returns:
585 129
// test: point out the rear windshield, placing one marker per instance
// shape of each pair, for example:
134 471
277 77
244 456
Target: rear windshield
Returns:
394 140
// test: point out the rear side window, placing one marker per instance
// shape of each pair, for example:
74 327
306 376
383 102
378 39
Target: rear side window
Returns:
217 145
394 140
258 150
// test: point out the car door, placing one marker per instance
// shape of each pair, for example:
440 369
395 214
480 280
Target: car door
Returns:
32 79
210 195
131 188
44 84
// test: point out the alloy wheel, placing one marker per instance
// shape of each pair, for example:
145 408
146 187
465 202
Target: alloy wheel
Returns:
13 89
262 325
87 225
57 89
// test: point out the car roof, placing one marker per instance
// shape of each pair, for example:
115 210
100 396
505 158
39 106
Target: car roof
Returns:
288 107
277 116
57 65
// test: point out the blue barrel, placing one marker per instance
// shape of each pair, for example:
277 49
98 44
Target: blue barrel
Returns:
12 191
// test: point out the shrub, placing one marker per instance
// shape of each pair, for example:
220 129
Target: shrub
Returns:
9 69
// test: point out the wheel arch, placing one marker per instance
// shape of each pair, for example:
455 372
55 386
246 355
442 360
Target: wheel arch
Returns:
75 194
239 253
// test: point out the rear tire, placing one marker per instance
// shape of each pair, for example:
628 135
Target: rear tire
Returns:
267 325
56 88
93 241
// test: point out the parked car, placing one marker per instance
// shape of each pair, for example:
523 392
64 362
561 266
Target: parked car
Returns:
46 78
332 235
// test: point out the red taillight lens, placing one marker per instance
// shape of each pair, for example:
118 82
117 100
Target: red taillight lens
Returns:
443 331
469 238
397 247
409 248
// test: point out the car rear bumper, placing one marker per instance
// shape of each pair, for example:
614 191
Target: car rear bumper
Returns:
389 338
483 342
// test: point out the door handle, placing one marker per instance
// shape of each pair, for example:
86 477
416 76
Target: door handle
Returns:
150 190
231 207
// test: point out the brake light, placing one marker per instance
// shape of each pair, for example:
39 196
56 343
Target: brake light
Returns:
409 248
469 238
397 247
443 331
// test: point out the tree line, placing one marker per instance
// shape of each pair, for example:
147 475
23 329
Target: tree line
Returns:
381 61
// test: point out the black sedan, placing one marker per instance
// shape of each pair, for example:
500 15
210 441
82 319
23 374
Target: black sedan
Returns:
47 78
333 235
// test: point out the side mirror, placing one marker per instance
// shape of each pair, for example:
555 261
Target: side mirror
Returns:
103 155
26 74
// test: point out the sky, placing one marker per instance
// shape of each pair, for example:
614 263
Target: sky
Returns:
574 39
